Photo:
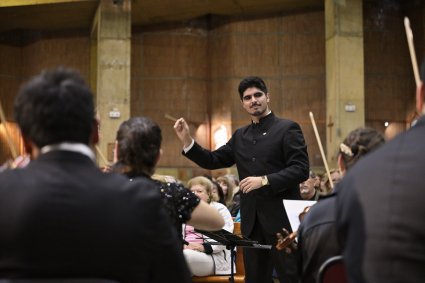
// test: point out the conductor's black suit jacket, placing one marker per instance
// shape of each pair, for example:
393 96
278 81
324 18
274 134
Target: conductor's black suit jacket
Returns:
62 217
380 212
274 147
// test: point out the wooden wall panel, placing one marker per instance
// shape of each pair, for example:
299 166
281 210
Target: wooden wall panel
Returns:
193 69
27 56
303 76
10 80
10 58
8 91
288 52
175 54
302 95
389 80
284 50
10 76
170 76
303 54
52 49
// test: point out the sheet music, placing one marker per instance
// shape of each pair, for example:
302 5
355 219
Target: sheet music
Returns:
294 208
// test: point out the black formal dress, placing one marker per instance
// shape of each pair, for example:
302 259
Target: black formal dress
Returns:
380 212
179 202
274 147
62 217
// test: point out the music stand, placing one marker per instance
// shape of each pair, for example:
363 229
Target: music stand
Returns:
231 241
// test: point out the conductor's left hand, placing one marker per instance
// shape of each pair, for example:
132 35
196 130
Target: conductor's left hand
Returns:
250 183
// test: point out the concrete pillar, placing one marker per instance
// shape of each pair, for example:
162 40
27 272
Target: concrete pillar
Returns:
345 108
110 70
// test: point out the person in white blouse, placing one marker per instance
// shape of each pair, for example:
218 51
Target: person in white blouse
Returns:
202 257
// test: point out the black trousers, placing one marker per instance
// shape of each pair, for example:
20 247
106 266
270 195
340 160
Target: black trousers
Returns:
259 263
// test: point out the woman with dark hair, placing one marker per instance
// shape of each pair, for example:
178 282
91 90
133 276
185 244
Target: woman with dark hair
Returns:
356 145
138 149
231 194
217 193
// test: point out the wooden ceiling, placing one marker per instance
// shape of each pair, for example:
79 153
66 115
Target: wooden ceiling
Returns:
68 14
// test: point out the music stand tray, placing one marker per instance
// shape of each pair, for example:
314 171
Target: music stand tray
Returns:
231 241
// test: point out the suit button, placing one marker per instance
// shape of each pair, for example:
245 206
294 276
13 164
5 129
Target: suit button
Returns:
254 141
253 159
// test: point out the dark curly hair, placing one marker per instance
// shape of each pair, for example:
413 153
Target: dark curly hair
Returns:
55 106
358 143
249 82
139 143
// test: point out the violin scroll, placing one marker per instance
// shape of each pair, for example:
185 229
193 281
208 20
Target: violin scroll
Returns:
286 241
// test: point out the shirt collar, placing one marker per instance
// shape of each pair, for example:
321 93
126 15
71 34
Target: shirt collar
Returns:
67 146
264 120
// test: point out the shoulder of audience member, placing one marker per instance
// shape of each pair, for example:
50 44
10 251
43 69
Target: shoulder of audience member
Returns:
218 205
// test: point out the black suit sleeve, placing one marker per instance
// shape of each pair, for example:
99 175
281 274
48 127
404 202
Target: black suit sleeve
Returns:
166 259
220 158
350 228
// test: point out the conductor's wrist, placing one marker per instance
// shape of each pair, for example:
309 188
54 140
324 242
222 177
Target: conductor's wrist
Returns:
188 145
187 141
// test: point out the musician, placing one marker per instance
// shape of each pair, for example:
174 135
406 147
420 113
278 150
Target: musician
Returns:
271 157
317 232
138 149
380 209
61 216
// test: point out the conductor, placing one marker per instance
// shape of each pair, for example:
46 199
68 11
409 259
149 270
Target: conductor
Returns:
271 157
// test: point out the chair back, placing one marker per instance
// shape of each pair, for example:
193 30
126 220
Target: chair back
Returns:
240 267
332 271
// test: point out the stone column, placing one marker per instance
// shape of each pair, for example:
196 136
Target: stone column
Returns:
345 109
110 70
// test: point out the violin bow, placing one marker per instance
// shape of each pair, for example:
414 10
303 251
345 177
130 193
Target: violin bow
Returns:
101 155
8 137
409 35
322 153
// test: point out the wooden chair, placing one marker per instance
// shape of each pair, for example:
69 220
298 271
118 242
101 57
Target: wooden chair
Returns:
239 275
332 271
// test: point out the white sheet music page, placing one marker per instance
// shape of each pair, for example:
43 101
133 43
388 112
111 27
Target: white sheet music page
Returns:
294 208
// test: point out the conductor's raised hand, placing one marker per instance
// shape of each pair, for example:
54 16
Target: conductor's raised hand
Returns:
183 133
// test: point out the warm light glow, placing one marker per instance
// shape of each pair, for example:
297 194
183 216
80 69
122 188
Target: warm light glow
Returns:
386 124
220 136
12 135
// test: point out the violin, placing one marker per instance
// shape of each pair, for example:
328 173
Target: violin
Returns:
287 241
